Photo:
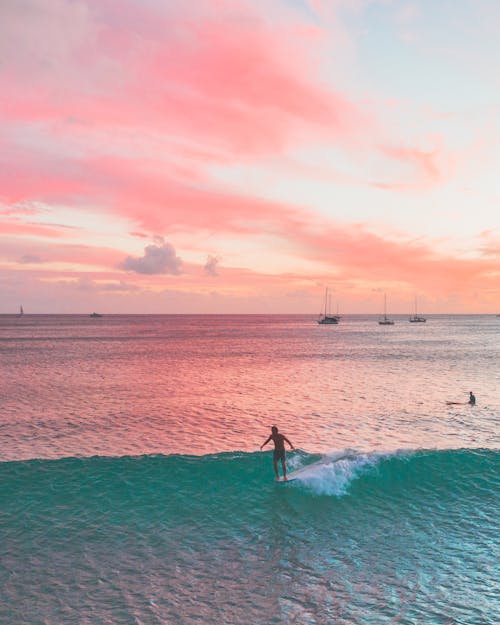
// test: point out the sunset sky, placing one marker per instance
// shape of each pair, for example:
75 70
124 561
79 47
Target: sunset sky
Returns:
165 156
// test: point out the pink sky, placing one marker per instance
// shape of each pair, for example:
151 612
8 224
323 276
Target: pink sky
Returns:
242 156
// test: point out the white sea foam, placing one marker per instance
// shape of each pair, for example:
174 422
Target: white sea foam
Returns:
333 472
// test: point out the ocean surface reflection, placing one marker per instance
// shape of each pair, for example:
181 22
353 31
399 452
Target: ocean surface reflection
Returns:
200 384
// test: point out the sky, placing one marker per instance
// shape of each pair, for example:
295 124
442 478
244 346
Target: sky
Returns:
227 156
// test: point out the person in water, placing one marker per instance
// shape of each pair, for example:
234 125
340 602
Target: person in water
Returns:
472 399
279 450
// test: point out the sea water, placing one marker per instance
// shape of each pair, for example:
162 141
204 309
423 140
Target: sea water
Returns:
133 489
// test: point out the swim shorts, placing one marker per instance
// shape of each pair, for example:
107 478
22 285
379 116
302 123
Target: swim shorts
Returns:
279 454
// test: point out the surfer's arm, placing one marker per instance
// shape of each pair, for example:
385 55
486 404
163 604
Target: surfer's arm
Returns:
286 439
266 442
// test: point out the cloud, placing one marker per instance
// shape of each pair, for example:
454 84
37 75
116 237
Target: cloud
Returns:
87 284
28 259
231 88
490 244
19 209
211 265
121 287
14 249
226 84
159 258
17 227
228 76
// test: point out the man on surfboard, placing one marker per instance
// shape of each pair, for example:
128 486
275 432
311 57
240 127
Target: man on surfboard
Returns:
472 401
279 450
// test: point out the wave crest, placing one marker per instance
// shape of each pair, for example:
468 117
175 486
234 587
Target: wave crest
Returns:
333 473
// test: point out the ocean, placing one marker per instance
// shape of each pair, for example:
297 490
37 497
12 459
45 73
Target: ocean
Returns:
134 492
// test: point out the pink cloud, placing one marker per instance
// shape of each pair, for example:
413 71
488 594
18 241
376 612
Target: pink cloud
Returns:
17 249
355 260
490 244
425 160
30 174
19 209
426 167
224 76
18 227
122 106
161 204
88 284
355 253
154 200
226 79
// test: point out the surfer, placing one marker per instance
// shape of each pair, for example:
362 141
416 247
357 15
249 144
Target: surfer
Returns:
472 399
279 450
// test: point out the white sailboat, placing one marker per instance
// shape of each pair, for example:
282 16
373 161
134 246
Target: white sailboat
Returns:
417 318
327 318
385 321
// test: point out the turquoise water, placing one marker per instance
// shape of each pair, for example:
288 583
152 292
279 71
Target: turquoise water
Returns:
133 490
369 538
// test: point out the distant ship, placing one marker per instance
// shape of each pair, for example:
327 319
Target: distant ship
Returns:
385 321
95 315
21 311
327 318
416 318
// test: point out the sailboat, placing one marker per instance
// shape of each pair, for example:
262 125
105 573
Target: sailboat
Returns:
326 318
416 318
336 315
21 311
385 321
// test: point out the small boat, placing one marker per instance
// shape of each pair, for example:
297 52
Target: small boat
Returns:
21 311
327 318
94 315
385 321
417 318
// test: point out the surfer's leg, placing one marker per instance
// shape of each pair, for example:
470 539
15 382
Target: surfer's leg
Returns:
275 462
283 466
